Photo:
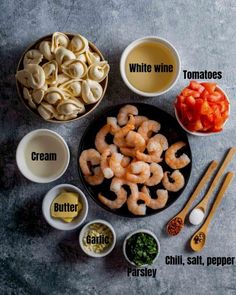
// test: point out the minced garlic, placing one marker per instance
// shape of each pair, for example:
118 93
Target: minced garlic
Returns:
98 238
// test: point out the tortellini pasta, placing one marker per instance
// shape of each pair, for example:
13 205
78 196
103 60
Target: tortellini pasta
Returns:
91 91
46 110
54 95
72 87
74 68
63 55
28 96
98 71
81 56
70 106
59 40
45 48
79 44
33 56
37 95
32 76
59 77
92 57
50 70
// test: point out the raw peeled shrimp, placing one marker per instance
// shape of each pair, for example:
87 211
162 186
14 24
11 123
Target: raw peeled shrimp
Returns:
89 156
123 115
160 201
97 177
134 139
112 121
154 155
139 121
156 175
107 171
135 143
120 135
148 127
125 161
134 207
138 172
132 201
155 140
128 152
100 139
172 160
177 181
116 164
121 194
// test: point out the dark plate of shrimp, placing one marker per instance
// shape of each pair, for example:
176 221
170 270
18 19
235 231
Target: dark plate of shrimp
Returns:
134 160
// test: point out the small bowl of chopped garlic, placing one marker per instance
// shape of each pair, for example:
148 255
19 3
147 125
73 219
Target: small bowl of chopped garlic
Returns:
97 238
62 77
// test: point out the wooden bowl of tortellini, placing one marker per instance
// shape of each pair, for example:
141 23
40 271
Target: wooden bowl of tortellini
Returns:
62 77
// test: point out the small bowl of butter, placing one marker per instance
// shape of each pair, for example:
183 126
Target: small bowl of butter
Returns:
65 207
97 238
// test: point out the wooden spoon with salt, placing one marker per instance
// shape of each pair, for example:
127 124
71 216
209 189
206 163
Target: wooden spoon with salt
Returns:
202 205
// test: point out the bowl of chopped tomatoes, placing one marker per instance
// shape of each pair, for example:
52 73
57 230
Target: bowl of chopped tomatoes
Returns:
202 108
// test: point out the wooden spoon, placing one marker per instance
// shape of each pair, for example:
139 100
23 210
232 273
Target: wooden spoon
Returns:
202 205
178 220
198 240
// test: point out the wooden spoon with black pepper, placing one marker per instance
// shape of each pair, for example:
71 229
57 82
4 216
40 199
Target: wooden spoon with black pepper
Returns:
198 240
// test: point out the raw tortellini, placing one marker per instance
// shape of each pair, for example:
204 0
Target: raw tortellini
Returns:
33 56
32 76
98 71
91 91
74 68
62 75
50 71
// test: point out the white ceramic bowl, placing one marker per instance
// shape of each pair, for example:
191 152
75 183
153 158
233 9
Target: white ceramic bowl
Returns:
136 232
59 165
91 253
202 133
131 46
60 224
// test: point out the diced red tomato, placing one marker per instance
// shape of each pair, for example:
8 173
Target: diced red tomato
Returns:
205 94
198 106
205 108
190 92
223 106
190 101
195 126
196 86
215 96
209 86
202 107
207 121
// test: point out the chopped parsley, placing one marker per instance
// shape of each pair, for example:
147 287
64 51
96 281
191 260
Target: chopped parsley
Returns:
141 248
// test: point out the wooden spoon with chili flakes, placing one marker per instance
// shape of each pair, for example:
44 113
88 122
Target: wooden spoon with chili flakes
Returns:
176 224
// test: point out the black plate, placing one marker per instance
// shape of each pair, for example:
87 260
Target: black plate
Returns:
169 127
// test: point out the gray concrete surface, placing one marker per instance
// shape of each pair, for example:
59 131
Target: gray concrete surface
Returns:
35 259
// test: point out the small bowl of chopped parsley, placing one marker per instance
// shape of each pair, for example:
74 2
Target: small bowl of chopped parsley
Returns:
141 248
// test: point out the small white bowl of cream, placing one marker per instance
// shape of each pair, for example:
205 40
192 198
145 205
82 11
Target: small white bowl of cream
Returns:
97 238
150 66
42 156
